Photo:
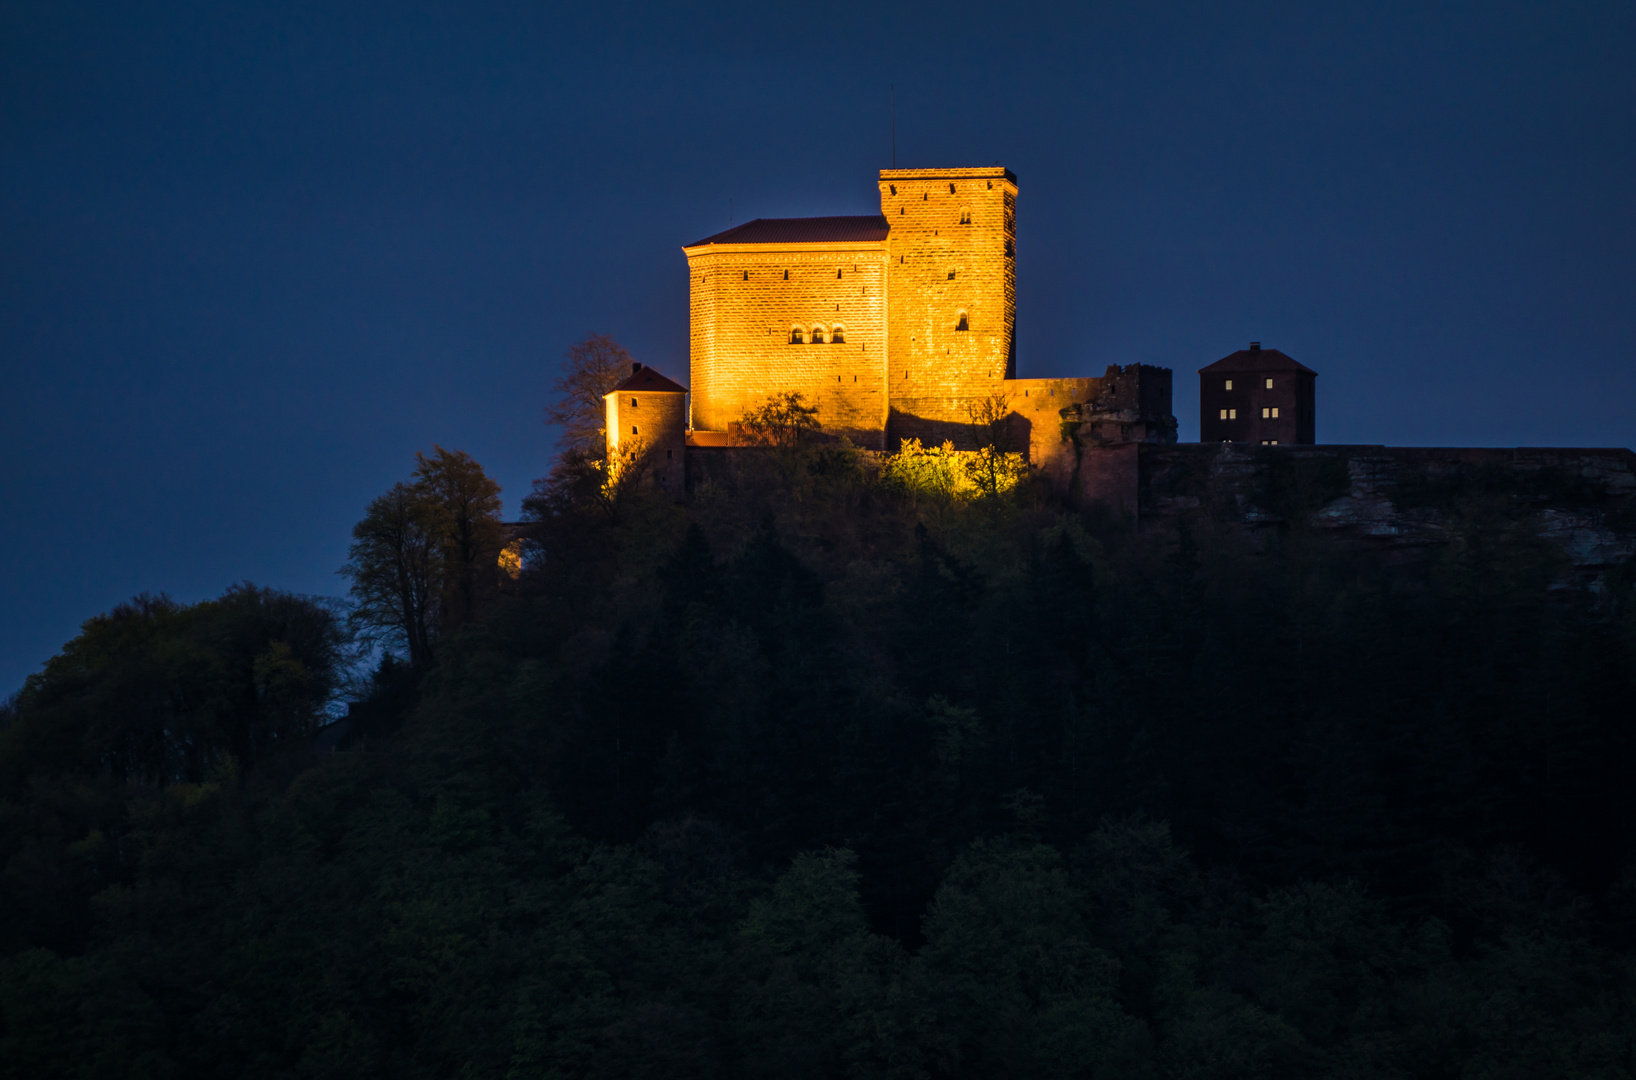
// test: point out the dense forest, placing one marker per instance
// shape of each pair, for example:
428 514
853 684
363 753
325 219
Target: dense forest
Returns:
832 773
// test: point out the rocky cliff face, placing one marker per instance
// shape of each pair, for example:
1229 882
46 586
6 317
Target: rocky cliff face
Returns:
1404 500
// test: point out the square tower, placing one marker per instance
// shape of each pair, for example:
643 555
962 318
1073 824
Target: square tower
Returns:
951 295
648 413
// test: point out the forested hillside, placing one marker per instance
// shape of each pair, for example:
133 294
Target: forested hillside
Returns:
833 774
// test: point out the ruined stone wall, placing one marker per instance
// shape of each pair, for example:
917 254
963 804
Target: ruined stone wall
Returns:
746 300
952 252
1036 407
1402 500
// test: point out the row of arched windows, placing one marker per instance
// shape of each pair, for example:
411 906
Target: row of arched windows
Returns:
817 335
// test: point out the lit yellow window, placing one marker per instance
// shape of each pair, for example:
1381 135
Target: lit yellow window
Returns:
1274 442
1266 414
1229 384
1275 412
1232 414
1224 414
1269 384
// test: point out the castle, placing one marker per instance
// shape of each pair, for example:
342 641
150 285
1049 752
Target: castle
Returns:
893 326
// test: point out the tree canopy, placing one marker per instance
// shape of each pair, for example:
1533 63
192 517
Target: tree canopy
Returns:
810 774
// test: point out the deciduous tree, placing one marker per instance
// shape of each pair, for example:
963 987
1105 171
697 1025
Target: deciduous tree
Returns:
590 369
463 505
784 421
396 567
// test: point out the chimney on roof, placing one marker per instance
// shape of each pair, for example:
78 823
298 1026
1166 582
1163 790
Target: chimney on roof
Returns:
1255 346
636 365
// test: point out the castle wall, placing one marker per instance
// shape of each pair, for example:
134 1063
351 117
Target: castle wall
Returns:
1402 500
1036 407
952 252
746 299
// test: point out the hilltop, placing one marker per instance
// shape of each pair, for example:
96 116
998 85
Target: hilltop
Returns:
830 773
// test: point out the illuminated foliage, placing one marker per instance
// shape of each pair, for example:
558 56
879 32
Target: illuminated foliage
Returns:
942 472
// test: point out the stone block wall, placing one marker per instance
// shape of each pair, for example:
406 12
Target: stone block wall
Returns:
659 422
952 251
746 301
1402 500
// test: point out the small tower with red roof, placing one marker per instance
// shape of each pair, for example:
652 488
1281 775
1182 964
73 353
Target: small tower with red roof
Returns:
647 416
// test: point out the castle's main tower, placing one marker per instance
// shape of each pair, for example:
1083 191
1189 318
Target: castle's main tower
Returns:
951 291
891 325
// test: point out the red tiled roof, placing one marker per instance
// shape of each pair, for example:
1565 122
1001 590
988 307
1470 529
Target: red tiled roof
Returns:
1257 360
802 230
645 378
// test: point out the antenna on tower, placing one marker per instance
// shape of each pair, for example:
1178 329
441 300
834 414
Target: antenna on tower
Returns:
894 92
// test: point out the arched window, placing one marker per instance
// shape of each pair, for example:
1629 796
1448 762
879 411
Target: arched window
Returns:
963 325
837 336
817 335
795 335
965 217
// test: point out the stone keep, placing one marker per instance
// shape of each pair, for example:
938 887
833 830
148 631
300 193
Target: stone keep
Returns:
890 324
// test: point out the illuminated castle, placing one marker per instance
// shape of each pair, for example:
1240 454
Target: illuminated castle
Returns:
893 325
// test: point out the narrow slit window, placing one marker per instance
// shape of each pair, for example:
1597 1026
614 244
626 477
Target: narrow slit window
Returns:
746 275
965 217
634 403
951 189
894 188
837 275
633 429
786 275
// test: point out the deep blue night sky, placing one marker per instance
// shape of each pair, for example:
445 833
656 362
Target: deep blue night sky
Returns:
253 256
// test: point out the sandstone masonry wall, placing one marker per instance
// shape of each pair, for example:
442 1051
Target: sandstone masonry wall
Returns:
952 251
656 420
747 299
